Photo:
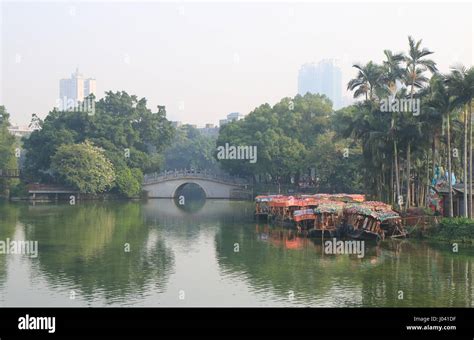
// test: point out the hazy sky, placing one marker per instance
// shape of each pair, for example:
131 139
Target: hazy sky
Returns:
204 60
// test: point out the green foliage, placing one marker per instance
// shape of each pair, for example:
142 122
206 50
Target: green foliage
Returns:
190 149
130 133
7 152
128 182
292 137
19 190
84 167
455 228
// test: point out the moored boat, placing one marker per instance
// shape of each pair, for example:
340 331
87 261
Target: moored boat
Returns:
372 221
328 219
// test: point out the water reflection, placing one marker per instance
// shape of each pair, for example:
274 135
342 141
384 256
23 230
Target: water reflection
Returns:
8 218
98 248
218 255
394 273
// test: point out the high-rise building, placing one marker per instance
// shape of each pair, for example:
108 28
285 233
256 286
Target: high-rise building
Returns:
323 78
231 117
89 87
75 89
307 79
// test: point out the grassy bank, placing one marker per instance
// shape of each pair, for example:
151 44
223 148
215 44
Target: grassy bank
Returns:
459 229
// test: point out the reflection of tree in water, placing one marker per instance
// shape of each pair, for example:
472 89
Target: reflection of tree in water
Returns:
85 245
8 220
277 259
173 222
429 275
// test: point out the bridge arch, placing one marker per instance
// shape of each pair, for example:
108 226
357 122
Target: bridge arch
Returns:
181 185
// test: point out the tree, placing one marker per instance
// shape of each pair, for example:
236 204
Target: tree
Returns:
417 64
283 135
440 102
392 73
461 85
122 125
84 167
128 182
190 149
366 81
8 160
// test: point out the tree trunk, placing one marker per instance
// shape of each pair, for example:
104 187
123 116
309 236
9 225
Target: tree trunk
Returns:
470 161
392 184
465 163
450 171
433 154
427 190
408 201
397 173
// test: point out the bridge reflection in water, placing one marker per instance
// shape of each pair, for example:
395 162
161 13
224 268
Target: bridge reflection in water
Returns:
217 255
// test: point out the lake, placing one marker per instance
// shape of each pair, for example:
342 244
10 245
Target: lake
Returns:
211 253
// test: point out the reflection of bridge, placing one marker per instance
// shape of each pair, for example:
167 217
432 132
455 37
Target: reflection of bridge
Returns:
166 185
9 173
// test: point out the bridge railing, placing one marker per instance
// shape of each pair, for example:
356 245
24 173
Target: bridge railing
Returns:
198 174
10 173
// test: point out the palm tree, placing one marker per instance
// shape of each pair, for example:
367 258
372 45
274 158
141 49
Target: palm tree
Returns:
392 72
440 102
461 85
416 64
367 80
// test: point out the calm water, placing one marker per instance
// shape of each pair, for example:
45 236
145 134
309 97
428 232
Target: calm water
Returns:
186 257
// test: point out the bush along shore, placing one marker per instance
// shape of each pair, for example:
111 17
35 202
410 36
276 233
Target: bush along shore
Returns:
458 229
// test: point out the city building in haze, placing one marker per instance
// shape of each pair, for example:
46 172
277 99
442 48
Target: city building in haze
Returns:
20 131
75 89
307 79
231 117
324 77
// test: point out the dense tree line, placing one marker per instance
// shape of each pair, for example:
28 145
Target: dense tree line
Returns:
383 149
74 147
406 147
190 149
295 138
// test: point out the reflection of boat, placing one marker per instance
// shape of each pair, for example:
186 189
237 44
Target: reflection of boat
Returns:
294 243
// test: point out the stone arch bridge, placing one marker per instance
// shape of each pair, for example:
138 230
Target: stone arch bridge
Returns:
166 185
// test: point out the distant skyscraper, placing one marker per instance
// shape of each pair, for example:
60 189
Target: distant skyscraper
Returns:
307 79
89 87
231 117
323 78
75 88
